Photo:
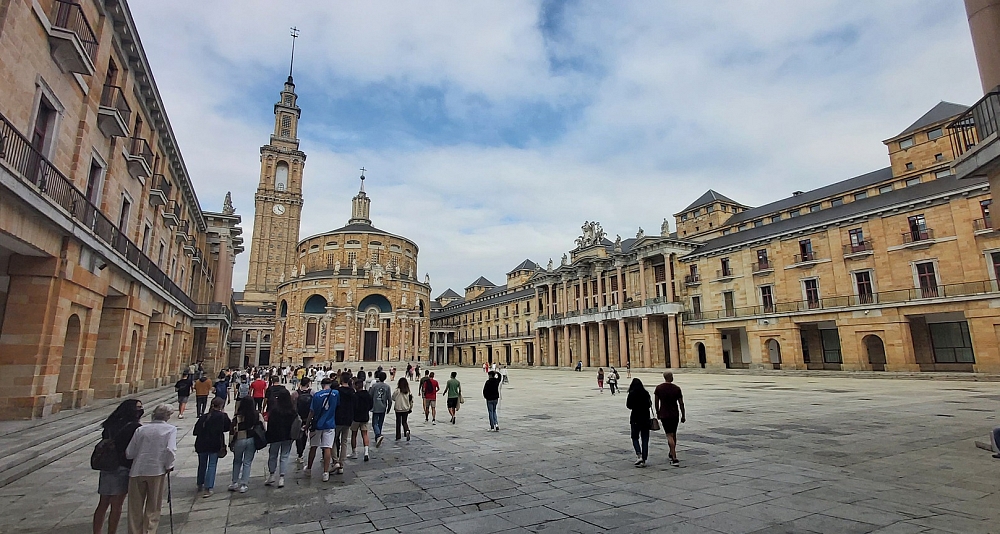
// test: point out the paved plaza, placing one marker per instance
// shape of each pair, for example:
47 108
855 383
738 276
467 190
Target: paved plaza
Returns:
758 454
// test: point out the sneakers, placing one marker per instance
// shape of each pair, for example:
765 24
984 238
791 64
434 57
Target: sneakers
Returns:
340 470
354 454
207 494
270 479
497 429
244 488
281 481
366 457
326 476
641 463
298 459
200 487
434 421
378 440
453 420
638 460
234 486
407 435
181 416
675 461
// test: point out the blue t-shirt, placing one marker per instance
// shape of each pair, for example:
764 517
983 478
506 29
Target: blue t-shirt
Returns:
324 407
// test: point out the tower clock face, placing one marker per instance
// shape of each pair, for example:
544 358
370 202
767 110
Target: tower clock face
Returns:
278 209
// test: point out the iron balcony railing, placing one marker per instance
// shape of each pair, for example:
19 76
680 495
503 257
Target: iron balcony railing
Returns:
804 257
139 148
898 296
762 266
17 154
214 308
917 235
983 224
977 123
856 248
69 16
113 97
724 273
692 279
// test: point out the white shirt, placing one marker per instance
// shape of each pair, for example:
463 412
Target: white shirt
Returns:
153 449
320 375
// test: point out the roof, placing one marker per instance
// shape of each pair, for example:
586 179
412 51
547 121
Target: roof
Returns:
710 197
481 282
449 294
490 298
943 110
858 182
357 228
871 204
526 265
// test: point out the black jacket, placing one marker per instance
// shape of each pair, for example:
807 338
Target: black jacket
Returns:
210 431
345 408
639 402
122 434
491 390
279 426
362 405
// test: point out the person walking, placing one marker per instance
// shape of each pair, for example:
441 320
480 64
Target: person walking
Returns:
402 400
642 408
491 392
183 389
302 399
628 370
428 390
613 380
343 420
381 395
202 387
152 450
243 446
210 437
258 390
362 406
600 379
281 417
322 416
453 389
668 399
113 484
222 389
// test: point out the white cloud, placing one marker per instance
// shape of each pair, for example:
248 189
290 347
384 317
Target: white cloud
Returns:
754 99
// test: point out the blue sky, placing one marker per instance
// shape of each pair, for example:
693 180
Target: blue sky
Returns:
492 130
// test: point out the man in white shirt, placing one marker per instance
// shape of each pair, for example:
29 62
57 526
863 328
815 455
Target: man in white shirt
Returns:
152 450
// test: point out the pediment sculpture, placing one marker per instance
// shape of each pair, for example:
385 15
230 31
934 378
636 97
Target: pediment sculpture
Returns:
593 234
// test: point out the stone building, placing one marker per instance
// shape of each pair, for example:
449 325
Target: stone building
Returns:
112 277
892 270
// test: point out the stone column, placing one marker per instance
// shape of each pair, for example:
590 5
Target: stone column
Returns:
550 357
647 349
984 22
536 349
621 287
642 291
675 357
569 353
602 341
584 353
622 343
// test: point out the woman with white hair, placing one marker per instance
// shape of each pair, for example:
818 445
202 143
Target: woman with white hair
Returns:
152 450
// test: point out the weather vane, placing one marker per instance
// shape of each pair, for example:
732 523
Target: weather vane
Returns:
295 35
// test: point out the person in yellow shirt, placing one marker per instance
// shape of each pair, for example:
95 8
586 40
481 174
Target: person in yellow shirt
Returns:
202 387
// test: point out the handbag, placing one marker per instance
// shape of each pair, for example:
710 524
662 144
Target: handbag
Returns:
258 435
223 449
654 423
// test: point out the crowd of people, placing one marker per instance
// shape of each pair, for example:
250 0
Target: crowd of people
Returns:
135 459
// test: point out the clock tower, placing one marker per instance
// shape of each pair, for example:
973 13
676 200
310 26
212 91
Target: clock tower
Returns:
278 203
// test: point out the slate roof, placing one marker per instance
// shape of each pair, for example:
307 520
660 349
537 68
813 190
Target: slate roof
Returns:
943 110
481 282
489 298
526 265
873 203
709 197
449 294
809 197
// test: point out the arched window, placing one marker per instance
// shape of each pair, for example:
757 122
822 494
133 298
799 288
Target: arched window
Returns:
284 308
315 304
281 176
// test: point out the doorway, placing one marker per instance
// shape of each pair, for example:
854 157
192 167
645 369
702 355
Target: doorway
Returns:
702 357
371 346
774 353
489 354
508 351
876 352
264 358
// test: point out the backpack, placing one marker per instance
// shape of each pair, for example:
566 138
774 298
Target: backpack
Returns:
428 388
105 455
244 389
304 403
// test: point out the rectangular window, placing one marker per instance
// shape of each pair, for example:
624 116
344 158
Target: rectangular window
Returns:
935 133
286 126
124 215
857 239
927 279
984 208
860 195
938 157
793 213
863 283
696 307
776 218
943 174
146 231
917 227
729 303
767 298
757 223
806 250
762 262
836 202
726 271
995 260
831 346
906 143
41 134
909 165
159 257
814 208
885 189
913 181
811 287
94 181
311 334
951 342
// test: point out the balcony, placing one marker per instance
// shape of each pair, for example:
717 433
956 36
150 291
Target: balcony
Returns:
722 275
198 257
974 138
181 234
139 158
917 238
859 250
805 259
172 214
71 38
159 191
982 226
692 279
113 112
762 268
214 308
189 247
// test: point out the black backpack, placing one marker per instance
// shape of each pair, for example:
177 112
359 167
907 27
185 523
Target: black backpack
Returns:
105 455
304 403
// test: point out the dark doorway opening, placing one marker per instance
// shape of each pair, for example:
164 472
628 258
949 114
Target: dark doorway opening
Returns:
265 357
489 355
371 346
702 357
876 352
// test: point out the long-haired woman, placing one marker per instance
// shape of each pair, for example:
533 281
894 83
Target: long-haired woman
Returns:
402 402
281 415
243 444
113 484
639 402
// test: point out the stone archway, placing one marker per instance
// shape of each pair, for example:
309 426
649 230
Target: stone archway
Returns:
774 352
68 366
702 356
876 352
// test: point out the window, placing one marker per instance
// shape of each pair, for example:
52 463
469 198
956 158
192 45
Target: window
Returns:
793 213
286 125
725 231
984 207
909 165
684 217
811 287
281 176
834 202
917 228
146 232
951 342
885 189
943 173
163 251
927 279
352 257
726 271
935 133
95 181
831 346
913 181
806 250
757 223
728 303
938 157
311 334
124 215
776 218
905 143
710 209
41 134
767 298
860 195
857 239
696 307
762 263
863 284
995 260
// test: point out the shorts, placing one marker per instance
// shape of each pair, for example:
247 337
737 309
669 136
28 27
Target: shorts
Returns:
430 403
452 402
321 438
670 424
113 482
359 425
182 400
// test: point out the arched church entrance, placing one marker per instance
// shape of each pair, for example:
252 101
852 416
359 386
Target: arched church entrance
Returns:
372 306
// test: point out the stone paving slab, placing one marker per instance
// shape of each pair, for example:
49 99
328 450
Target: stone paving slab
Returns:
760 453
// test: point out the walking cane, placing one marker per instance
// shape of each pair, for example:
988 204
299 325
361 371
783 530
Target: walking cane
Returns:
170 504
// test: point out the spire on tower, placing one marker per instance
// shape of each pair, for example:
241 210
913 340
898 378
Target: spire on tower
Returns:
291 62
361 205
363 179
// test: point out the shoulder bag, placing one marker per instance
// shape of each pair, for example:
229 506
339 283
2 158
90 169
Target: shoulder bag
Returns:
654 423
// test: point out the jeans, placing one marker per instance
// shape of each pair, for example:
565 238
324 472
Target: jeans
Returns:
207 462
378 419
243 451
491 407
282 449
401 422
201 402
638 432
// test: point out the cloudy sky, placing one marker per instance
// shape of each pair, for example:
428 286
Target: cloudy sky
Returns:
493 130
